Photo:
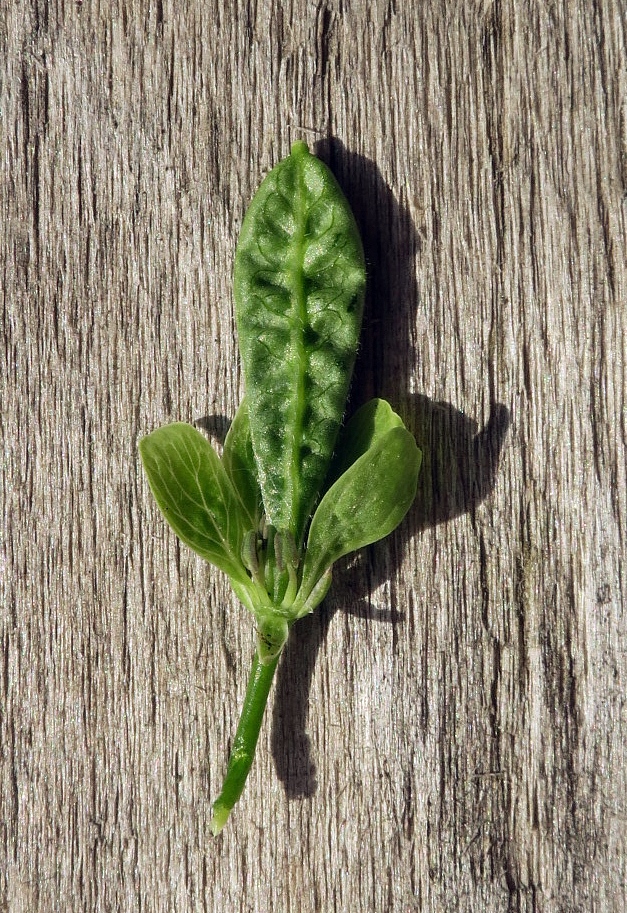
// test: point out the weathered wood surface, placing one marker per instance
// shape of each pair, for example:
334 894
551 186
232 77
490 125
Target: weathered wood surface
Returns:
448 731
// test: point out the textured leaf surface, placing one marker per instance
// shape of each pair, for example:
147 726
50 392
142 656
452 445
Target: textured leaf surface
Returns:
299 283
365 504
195 494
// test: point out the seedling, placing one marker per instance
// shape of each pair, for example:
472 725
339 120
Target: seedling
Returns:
292 493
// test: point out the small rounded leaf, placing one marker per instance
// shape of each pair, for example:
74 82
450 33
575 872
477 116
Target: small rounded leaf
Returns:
195 495
365 504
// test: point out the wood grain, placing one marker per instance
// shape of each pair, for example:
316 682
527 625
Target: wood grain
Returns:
448 732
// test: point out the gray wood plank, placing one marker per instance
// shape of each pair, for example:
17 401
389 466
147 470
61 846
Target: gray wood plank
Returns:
447 732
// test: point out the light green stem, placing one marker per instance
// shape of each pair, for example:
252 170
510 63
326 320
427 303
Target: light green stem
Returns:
246 737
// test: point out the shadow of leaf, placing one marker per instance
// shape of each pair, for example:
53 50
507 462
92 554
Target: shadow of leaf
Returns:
460 461
458 472
216 426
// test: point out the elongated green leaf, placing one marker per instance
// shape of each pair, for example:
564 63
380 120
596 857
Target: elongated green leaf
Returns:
195 495
365 504
365 428
239 461
299 283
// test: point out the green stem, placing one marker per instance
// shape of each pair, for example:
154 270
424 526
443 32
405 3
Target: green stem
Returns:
246 737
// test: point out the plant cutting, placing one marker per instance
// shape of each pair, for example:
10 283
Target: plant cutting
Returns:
293 491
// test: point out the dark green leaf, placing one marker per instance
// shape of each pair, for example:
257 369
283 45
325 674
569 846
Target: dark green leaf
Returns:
299 283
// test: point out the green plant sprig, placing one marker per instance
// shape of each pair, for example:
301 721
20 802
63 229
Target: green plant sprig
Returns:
289 497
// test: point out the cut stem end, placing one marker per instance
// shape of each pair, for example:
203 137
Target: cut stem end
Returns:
219 817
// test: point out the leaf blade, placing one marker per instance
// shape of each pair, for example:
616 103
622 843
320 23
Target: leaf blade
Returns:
239 461
195 495
365 504
299 284
367 426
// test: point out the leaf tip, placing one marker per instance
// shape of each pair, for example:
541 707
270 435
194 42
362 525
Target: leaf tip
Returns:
299 148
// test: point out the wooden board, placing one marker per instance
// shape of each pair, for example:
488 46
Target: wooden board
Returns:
448 731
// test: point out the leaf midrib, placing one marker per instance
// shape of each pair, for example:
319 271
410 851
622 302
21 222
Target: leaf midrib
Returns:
299 317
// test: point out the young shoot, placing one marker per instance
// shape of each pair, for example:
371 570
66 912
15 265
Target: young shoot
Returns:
292 493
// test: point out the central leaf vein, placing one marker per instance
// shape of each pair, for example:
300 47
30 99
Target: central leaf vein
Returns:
299 322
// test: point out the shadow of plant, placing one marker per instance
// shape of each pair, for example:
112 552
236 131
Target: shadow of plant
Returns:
458 472
460 461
